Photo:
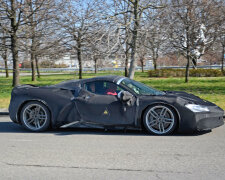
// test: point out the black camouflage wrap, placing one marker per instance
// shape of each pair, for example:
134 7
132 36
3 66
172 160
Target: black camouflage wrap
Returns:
69 102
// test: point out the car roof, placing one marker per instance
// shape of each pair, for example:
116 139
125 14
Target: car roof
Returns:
111 78
71 83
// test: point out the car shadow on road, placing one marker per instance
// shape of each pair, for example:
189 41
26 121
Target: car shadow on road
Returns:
113 132
10 127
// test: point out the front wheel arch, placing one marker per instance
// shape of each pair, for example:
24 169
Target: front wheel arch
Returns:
160 103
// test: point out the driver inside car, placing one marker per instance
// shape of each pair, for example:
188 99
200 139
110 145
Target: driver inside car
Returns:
92 87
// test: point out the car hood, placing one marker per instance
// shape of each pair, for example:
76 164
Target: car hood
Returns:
189 97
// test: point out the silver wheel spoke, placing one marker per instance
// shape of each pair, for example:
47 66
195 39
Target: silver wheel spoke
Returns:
163 129
37 110
35 123
42 116
163 112
30 120
38 123
153 123
154 114
29 111
167 120
160 127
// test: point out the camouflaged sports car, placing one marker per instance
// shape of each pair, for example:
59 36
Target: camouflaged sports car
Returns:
111 102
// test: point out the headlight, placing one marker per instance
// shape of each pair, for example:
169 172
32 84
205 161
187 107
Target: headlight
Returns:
197 108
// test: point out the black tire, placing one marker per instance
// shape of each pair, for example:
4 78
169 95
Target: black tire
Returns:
158 123
35 116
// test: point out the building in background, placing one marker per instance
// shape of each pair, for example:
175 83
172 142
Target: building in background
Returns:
68 60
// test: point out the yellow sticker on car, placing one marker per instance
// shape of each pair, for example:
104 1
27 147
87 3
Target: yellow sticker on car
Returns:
106 112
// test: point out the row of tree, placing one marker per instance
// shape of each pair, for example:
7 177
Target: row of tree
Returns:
133 29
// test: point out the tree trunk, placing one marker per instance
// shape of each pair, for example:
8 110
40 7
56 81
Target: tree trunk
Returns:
79 58
222 60
187 51
6 65
155 57
155 65
33 65
126 63
127 19
132 63
37 66
14 49
33 43
194 62
134 40
96 67
5 57
14 44
187 70
142 64
126 54
188 58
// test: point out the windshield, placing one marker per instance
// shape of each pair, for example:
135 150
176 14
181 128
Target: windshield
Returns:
140 88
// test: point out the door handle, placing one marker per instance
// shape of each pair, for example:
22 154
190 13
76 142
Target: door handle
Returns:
86 97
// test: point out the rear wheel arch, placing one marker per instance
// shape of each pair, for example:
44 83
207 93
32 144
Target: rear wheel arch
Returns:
160 103
35 116
33 100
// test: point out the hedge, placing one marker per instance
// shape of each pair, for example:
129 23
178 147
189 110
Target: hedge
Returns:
181 73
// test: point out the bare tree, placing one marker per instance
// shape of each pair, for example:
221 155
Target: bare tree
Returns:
19 14
221 34
123 20
192 28
137 7
98 46
77 20
39 27
4 50
142 50
222 40
155 33
11 12
100 42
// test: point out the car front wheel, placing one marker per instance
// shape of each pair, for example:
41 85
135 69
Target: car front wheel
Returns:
35 116
160 120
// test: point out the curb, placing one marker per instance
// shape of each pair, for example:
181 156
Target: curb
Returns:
7 113
4 113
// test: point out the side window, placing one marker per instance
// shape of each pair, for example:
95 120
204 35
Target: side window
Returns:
102 88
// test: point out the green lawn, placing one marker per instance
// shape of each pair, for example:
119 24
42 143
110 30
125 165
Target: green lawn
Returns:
211 88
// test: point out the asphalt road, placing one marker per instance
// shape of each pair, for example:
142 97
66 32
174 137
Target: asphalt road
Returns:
95 154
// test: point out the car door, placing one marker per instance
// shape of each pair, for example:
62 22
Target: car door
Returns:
100 108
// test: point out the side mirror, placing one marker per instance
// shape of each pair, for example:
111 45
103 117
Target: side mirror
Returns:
126 97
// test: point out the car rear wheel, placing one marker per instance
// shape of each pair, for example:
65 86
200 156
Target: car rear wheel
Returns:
35 116
160 120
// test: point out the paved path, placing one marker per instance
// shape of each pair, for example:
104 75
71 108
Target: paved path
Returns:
95 154
29 74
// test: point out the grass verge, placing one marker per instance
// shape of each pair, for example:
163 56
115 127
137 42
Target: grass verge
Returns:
208 88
